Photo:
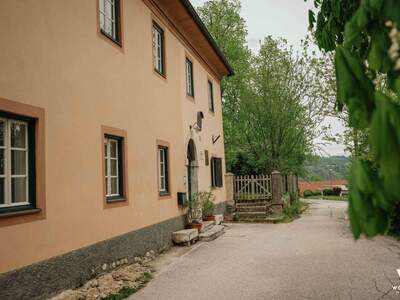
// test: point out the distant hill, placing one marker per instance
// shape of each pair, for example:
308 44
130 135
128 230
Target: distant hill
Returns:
327 168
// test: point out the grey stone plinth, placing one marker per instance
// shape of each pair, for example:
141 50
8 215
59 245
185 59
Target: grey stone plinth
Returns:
185 236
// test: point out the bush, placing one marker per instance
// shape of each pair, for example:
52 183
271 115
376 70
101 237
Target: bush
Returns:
394 228
307 193
327 192
316 193
336 191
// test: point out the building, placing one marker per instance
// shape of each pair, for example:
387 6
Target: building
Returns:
101 104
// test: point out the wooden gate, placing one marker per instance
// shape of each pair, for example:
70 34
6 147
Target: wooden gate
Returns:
254 187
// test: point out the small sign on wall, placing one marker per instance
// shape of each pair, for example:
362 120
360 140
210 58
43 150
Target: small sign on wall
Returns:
206 157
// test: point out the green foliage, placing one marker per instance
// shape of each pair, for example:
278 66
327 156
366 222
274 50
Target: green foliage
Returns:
125 291
207 201
365 37
271 105
336 191
327 168
293 211
307 193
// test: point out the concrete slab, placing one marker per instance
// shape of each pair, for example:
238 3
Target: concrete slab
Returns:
185 236
212 234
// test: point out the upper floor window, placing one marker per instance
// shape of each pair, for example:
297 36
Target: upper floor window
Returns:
189 78
113 167
210 96
17 163
158 49
163 170
216 172
110 23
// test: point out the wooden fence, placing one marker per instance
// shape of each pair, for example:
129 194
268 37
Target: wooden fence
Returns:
252 187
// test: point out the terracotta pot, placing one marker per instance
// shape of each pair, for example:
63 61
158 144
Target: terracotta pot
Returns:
195 225
209 218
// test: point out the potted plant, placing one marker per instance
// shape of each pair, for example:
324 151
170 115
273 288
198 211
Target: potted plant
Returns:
194 212
208 206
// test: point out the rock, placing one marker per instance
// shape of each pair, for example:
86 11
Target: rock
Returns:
152 252
90 284
137 259
104 267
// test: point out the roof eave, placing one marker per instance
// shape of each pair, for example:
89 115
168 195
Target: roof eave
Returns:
191 10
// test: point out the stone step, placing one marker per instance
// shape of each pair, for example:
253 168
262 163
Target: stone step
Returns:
186 236
213 233
251 214
207 225
258 219
252 203
258 208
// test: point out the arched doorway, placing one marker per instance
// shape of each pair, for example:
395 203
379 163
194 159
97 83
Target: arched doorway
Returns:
192 165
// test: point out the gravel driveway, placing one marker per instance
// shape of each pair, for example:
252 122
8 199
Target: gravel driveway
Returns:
314 257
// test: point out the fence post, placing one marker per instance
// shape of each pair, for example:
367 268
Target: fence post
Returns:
277 191
229 185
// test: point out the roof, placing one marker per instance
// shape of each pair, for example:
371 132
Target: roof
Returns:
191 10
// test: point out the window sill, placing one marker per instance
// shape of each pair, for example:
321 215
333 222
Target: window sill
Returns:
115 200
118 43
159 74
20 212
164 195
191 98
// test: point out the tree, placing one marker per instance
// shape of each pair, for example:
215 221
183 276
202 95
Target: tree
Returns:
275 127
365 38
272 106
228 28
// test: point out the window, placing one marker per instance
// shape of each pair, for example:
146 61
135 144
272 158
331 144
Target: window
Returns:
113 160
189 78
163 183
158 49
109 14
17 163
216 172
210 96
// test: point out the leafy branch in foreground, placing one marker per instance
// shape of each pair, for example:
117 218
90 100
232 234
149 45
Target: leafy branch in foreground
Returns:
365 38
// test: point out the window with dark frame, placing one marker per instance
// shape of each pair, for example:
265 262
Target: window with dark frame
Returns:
189 78
163 183
158 49
113 167
210 96
110 19
216 172
17 163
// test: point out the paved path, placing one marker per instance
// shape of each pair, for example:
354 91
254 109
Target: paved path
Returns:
313 257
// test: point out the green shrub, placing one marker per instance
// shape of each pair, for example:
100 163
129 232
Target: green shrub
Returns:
307 193
336 191
316 193
327 192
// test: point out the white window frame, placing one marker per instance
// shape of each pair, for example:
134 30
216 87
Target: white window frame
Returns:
108 158
163 165
8 176
158 48
189 77
104 15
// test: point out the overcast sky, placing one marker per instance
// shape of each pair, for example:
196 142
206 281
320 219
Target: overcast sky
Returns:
283 18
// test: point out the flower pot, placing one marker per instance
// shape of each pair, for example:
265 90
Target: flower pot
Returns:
195 226
209 218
